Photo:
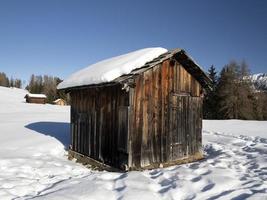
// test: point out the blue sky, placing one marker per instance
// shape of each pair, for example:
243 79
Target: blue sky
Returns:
59 37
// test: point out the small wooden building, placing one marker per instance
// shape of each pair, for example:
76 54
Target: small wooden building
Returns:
35 98
60 102
150 117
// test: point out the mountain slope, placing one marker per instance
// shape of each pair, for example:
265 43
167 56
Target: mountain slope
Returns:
259 81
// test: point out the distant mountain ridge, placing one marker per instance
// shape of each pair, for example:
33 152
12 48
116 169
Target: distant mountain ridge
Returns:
259 81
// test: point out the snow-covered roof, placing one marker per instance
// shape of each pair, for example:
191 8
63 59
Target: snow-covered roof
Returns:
57 100
112 68
36 95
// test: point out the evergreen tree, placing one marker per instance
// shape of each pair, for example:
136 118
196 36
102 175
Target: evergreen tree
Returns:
210 99
12 82
35 84
62 94
213 76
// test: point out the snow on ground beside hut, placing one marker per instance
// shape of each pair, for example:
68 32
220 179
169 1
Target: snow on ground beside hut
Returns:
237 127
34 165
112 68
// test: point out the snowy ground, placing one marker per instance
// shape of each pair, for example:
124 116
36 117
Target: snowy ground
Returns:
33 162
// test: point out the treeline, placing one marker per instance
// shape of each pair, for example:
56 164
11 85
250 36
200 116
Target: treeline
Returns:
9 82
46 85
37 85
232 95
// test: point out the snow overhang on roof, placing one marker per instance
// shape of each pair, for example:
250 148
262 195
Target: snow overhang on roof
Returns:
112 70
36 95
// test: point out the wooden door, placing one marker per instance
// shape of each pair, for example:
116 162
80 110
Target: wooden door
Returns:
184 126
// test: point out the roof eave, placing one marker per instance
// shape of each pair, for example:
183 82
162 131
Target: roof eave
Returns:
193 68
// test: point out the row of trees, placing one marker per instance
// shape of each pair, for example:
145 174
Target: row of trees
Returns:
232 95
6 82
46 85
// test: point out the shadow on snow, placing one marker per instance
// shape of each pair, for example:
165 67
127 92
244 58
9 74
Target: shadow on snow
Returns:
58 130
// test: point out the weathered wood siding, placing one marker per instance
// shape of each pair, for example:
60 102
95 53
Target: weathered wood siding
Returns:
165 116
99 124
35 100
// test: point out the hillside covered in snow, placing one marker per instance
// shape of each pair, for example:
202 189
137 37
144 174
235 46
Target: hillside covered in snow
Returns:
34 164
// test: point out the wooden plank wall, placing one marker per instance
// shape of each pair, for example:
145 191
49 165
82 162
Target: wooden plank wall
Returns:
95 115
35 100
155 127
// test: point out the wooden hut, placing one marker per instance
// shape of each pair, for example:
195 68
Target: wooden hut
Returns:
146 118
60 102
35 98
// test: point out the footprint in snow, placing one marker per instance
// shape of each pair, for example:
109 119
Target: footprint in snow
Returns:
202 171
196 179
208 187
194 166
155 174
